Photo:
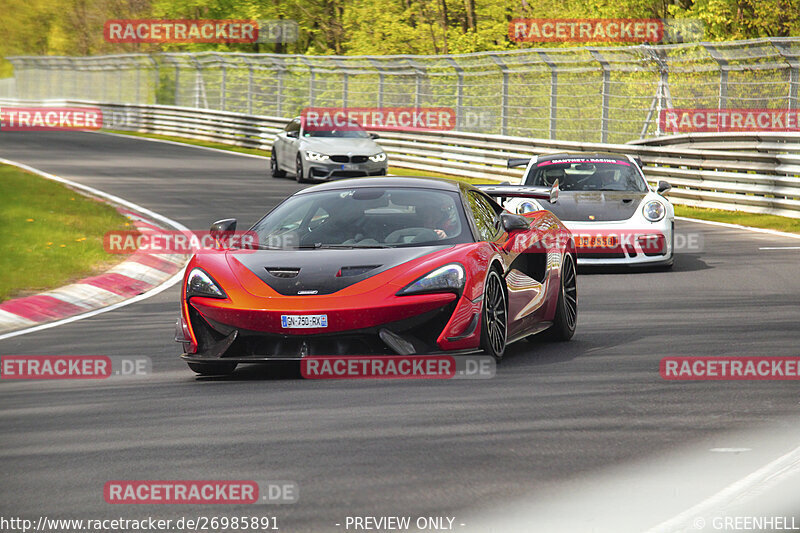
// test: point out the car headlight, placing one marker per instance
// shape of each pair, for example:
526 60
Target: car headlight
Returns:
377 158
528 207
654 210
316 156
201 284
448 278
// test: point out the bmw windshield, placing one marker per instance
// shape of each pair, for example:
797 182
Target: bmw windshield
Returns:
587 174
365 218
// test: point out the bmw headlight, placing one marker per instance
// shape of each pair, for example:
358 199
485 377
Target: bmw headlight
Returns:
654 210
448 278
316 156
528 206
201 284
377 158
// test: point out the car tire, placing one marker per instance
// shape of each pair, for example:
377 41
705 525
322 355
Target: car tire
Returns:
494 316
566 318
298 170
274 168
213 369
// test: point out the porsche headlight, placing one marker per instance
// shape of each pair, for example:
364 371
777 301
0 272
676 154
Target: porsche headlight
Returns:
377 158
201 284
316 156
654 210
528 207
448 278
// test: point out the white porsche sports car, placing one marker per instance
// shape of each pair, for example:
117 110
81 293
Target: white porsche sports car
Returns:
617 218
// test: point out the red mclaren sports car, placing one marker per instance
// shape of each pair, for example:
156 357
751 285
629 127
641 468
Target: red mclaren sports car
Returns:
373 266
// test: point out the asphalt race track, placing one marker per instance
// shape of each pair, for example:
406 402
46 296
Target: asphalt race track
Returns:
555 414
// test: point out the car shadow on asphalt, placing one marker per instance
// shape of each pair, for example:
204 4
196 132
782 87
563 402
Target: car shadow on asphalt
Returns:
683 263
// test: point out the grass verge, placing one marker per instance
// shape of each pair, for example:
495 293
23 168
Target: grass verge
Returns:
774 222
717 215
51 234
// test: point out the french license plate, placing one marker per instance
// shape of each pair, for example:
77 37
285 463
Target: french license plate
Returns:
304 321
349 166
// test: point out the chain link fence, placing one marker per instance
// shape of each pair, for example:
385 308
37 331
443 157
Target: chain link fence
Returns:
604 94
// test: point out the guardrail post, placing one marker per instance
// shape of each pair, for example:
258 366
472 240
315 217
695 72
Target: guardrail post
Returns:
794 71
606 93
723 74
553 93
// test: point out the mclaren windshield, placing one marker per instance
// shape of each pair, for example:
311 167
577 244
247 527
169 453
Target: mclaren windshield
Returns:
589 174
368 217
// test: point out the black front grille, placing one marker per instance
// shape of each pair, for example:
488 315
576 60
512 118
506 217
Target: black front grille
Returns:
340 159
358 159
348 173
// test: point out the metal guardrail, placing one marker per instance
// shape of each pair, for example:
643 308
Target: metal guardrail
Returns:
754 172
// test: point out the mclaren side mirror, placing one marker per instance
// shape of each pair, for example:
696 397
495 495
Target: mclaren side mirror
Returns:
663 187
513 222
374 136
223 227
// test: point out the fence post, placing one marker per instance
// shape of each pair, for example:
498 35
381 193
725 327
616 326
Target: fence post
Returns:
379 68
459 92
606 93
177 83
553 92
156 79
418 73
723 74
223 85
345 80
504 111
784 49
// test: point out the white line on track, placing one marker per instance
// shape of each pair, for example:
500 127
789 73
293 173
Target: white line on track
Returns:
177 143
738 226
767 476
780 248
114 199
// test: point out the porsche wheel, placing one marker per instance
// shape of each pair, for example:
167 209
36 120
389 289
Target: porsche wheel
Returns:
566 318
212 369
495 316
273 165
298 170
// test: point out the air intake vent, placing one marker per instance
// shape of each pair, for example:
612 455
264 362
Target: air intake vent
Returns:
355 270
283 272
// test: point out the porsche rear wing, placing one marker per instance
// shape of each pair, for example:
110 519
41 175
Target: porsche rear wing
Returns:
522 191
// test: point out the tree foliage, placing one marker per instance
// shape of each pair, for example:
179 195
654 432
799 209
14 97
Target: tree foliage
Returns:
351 27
